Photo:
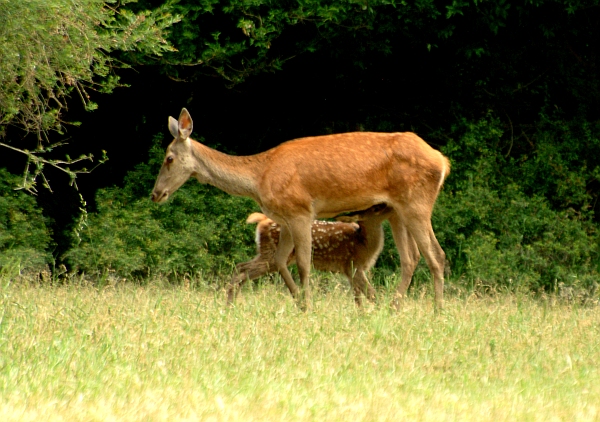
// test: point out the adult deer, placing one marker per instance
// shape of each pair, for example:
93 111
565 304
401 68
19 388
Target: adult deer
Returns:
320 177
349 246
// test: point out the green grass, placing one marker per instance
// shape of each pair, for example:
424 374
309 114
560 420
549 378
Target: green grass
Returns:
156 352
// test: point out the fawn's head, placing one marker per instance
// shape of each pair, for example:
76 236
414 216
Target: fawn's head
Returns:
377 213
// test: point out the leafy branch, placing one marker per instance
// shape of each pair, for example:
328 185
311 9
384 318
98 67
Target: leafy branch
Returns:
53 50
34 167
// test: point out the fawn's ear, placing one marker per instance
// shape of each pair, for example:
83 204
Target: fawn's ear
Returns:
185 123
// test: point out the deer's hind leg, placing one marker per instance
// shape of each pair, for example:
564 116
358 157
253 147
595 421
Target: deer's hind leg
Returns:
409 255
413 233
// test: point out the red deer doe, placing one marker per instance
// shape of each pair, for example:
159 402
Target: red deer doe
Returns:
321 177
349 246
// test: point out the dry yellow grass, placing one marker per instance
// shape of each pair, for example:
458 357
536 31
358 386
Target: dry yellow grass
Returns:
169 353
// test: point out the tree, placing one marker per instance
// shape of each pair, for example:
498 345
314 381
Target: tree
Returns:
477 55
52 50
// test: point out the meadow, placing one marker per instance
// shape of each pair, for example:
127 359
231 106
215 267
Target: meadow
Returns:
131 352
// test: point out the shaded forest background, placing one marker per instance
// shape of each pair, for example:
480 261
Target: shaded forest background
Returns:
509 90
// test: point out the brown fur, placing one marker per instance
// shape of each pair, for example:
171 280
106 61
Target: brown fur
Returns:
350 248
323 176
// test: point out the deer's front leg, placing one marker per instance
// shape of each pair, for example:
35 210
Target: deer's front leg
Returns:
302 237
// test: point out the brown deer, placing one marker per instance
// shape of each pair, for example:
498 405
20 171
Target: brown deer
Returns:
321 177
349 246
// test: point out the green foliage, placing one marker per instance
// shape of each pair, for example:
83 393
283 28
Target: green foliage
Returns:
518 208
24 235
504 221
494 52
236 39
53 49
519 222
201 230
50 49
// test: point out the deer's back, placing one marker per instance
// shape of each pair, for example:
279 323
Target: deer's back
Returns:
337 173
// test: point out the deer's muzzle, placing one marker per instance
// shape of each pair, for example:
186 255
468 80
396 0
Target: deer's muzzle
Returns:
160 197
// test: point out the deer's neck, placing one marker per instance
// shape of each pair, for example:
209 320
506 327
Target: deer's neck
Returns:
232 174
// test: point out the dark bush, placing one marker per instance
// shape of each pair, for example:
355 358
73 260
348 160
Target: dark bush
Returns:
506 219
519 220
200 230
25 238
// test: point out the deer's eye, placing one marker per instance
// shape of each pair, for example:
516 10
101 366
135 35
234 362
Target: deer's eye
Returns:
169 160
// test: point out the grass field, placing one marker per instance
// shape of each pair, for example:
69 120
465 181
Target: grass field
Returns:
156 352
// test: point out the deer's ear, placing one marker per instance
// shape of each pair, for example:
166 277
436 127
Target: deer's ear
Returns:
173 127
186 124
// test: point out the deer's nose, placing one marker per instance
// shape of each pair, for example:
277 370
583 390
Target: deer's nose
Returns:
159 197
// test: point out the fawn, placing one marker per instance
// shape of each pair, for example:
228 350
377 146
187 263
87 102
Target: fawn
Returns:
349 246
